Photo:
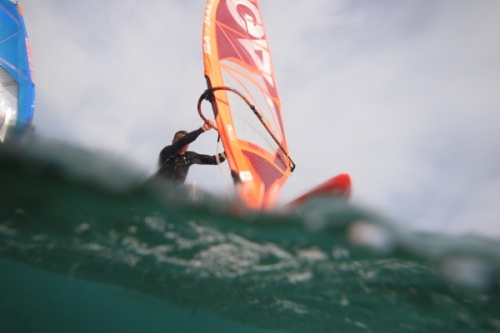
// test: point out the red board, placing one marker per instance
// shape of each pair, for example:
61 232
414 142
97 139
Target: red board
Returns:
338 186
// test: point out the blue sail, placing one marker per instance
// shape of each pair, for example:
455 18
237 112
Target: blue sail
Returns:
17 88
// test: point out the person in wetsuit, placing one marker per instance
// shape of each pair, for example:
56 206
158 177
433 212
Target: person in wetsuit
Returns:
175 159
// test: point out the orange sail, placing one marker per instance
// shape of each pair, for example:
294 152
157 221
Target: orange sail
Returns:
247 109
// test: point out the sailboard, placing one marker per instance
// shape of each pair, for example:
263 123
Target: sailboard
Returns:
244 96
17 88
338 186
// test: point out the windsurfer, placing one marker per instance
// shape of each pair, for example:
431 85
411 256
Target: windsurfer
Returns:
175 159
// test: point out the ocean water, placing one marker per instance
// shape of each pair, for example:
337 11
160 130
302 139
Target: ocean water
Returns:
86 245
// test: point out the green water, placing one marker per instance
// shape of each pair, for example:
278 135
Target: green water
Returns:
34 300
87 246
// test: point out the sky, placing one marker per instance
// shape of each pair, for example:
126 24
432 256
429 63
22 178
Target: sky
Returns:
402 95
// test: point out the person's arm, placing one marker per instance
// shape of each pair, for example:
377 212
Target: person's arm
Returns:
208 125
191 136
207 159
187 139
176 146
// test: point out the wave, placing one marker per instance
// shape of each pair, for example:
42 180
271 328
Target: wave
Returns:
328 266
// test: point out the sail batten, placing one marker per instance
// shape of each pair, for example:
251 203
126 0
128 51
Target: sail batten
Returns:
237 57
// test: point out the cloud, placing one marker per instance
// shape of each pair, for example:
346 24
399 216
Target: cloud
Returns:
403 96
387 93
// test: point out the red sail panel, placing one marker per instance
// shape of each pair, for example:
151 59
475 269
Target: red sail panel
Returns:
237 55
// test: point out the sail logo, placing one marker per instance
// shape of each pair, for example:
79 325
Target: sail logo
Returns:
30 59
206 21
249 19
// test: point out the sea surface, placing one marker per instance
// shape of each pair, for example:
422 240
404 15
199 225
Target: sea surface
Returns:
88 245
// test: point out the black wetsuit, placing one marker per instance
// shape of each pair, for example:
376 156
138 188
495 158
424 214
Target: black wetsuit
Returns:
175 167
